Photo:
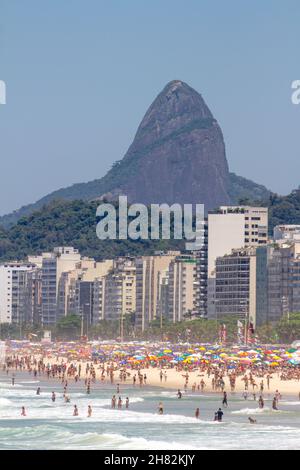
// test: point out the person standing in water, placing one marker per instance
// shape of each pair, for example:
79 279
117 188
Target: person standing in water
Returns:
261 402
197 413
220 415
160 409
53 398
89 411
274 404
113 402
38 391
75 412
127 402
23 411
225 402
179 394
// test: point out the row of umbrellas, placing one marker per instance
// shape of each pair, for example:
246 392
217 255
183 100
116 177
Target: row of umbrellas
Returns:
134 353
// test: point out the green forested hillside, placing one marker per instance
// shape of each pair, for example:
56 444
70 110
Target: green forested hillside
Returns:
70 223
73 223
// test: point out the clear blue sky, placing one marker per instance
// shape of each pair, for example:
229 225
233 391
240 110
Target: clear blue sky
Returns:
81 74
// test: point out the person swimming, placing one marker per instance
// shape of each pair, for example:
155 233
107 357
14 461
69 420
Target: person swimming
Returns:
252 420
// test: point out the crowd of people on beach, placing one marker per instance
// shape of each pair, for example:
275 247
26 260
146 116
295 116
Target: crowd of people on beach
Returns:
255 380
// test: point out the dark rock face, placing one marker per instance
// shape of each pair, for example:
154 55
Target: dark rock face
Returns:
178 153
177 156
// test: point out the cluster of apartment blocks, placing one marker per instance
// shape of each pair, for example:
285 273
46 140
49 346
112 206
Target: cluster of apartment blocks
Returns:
237 271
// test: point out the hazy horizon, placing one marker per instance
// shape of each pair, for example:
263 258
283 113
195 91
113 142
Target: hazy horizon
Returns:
80 78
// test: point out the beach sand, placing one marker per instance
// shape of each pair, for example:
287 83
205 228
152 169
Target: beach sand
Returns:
176 380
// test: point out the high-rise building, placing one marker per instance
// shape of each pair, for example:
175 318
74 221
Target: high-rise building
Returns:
261 282
182 284
236 285
202 272
16 295
150 271
232 227
54 265
120 289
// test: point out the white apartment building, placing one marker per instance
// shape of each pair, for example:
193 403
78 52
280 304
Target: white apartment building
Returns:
150 270
54 265
15 294
232 227
287 232
182 283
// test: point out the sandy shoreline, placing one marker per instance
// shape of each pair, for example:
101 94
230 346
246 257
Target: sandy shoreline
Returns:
176 380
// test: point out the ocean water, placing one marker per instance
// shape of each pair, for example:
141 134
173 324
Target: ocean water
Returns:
52 425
